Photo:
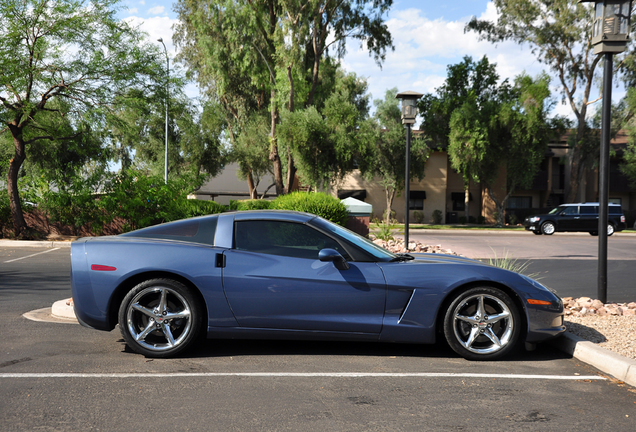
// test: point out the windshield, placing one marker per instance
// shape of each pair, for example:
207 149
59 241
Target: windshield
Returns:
555 210
359 241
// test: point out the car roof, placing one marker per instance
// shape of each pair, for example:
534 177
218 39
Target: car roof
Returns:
586 204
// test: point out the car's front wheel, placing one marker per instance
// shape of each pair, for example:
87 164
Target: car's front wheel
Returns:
536 232
548 228
482 324
610 229
160 318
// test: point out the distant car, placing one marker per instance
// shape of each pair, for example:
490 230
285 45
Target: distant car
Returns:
290 275
582 217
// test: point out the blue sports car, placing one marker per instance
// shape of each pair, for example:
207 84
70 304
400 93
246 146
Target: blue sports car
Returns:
290 275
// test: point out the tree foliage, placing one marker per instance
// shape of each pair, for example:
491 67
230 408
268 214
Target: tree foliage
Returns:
75 52
260 58
511 131
388 159
559 34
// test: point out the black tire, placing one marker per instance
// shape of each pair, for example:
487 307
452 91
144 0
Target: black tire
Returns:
594 233
482 324
610 229
548 228
536 232
160 318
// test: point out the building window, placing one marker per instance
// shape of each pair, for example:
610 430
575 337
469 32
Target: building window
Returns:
359 194
458 199
416 200
523 202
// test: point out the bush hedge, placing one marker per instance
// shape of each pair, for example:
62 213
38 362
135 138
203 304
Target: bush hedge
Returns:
320 204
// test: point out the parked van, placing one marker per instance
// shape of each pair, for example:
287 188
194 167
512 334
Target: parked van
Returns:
575 217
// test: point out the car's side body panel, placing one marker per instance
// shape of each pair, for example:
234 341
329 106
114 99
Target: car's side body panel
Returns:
93 290
278 292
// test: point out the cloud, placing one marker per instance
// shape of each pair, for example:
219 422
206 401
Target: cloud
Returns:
156 27
425 47
157 10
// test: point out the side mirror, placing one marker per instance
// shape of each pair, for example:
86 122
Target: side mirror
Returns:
326 255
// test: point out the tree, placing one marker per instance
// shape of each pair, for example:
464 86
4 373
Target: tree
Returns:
559 33
263 55
478 81
628 165
388 160
75 51
510 131
137 134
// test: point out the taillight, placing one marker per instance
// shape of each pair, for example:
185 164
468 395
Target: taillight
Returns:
623 219
99 267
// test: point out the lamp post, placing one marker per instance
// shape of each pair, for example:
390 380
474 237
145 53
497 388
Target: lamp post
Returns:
409 112
167 97
610 34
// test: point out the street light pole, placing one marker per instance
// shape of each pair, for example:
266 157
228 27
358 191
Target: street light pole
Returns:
167 98
610 34
603 178
409 112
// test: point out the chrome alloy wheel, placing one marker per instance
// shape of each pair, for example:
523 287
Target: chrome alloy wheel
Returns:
158 318
483 324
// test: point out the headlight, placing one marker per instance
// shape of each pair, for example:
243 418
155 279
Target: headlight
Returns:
534 219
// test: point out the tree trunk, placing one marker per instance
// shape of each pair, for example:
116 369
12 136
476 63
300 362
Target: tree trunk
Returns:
273 149
19 224
251 185
467 200
291 168
390 194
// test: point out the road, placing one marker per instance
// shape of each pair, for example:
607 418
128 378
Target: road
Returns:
567 262
64 377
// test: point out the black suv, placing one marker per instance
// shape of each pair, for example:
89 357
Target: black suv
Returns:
575 217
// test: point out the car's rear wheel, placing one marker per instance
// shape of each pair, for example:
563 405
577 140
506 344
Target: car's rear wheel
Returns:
594 233
536 232
482 324
548 228
160 318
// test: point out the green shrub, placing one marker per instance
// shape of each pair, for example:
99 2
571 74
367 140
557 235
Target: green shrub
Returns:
75 205
481 220
437 217
384 231
251 204
5 211
318 203
418 217
192 207
462 220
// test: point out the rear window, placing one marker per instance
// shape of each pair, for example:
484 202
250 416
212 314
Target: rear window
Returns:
617 210
199 230
589 210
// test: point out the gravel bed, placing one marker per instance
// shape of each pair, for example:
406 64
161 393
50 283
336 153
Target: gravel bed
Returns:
613 332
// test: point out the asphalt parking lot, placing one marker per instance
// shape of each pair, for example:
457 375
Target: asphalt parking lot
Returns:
64 377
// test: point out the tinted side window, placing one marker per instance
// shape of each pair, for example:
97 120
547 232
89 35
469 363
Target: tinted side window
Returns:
588 210
193 230
617 210
282 238
571 210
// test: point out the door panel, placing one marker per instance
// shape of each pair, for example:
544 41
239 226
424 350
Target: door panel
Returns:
279 292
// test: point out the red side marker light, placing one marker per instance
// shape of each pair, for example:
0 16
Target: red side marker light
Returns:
539 302
98 267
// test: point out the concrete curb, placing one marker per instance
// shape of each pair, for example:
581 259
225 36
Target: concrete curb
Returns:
62 309
619 367
35 243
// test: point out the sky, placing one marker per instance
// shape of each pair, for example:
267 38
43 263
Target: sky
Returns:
428 36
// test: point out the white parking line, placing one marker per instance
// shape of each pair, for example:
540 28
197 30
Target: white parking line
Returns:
29 256
300 375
